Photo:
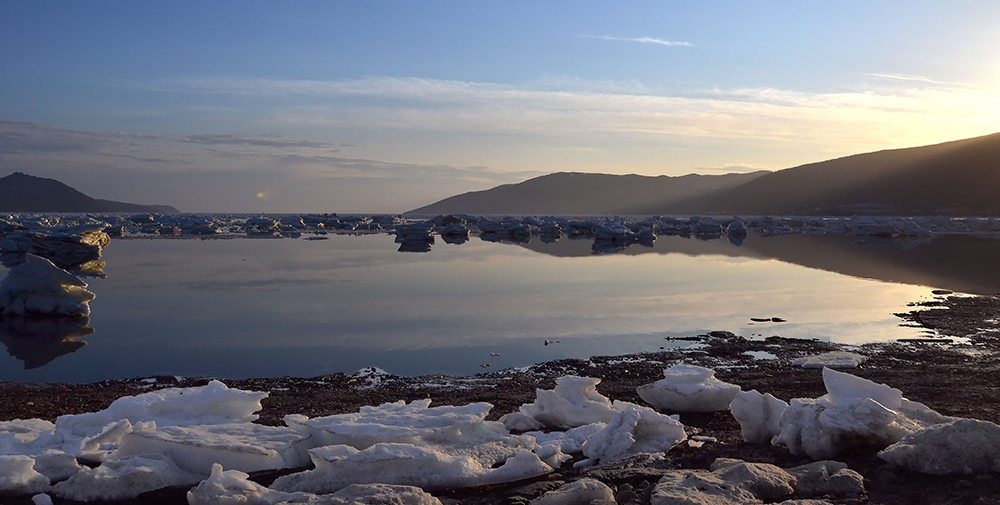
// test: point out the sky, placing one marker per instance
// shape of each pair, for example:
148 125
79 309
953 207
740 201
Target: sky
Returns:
385 106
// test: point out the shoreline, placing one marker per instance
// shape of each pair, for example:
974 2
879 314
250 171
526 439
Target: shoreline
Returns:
957 380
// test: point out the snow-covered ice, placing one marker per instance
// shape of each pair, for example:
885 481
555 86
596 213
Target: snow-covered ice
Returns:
689 388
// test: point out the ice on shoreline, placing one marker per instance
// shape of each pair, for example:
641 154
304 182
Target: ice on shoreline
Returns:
689 388
854 411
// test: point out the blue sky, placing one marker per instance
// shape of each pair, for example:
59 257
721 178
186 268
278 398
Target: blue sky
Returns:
385 106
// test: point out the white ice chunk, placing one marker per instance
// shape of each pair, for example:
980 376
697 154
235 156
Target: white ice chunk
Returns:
689 388
124 478
574 402
835 359
634 430
246 447
399 422
18 476
41 499
854 410
233 487
214 403
963 446
57 465
577 492
516 421
758 415
39 287
844 388
338 466
26 436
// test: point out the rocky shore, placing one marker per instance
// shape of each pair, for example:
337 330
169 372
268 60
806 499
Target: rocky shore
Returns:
962 379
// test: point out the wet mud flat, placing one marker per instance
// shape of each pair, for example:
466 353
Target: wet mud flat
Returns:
957 380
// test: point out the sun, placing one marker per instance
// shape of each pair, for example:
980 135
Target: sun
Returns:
261 195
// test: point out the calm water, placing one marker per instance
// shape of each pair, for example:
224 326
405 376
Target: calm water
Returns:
273 307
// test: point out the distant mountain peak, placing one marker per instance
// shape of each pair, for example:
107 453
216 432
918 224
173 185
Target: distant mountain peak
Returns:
960 177
21 192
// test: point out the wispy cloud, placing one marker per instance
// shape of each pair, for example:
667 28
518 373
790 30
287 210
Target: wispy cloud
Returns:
642 40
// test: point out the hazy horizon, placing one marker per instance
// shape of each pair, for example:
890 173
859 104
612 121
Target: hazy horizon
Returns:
337 107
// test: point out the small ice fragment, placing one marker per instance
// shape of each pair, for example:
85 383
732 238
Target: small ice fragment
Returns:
835 359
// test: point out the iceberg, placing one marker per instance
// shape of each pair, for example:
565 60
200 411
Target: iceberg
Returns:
38 287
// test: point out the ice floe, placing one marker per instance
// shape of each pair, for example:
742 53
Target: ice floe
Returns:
759 415
689 388
38 287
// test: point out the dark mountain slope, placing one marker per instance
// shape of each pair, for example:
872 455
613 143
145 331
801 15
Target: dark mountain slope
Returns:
578 193
957 178
26 193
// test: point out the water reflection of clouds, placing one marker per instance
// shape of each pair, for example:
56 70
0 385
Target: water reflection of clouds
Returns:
358 297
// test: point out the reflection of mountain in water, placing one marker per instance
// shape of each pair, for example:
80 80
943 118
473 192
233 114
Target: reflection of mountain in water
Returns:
960 263
38 340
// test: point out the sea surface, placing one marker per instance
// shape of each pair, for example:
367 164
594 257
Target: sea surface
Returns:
244 307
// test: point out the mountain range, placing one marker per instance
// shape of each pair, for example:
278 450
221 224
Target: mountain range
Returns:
26 193
953 178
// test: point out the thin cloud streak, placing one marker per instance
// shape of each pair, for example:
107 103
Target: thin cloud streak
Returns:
642 40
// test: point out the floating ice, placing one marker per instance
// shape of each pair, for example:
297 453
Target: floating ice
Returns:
578 492
245 447
634 430
338 466
959 447
758 415
689 388
37 287
574 402
854 410
65 249
18 477
124 478
835 359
